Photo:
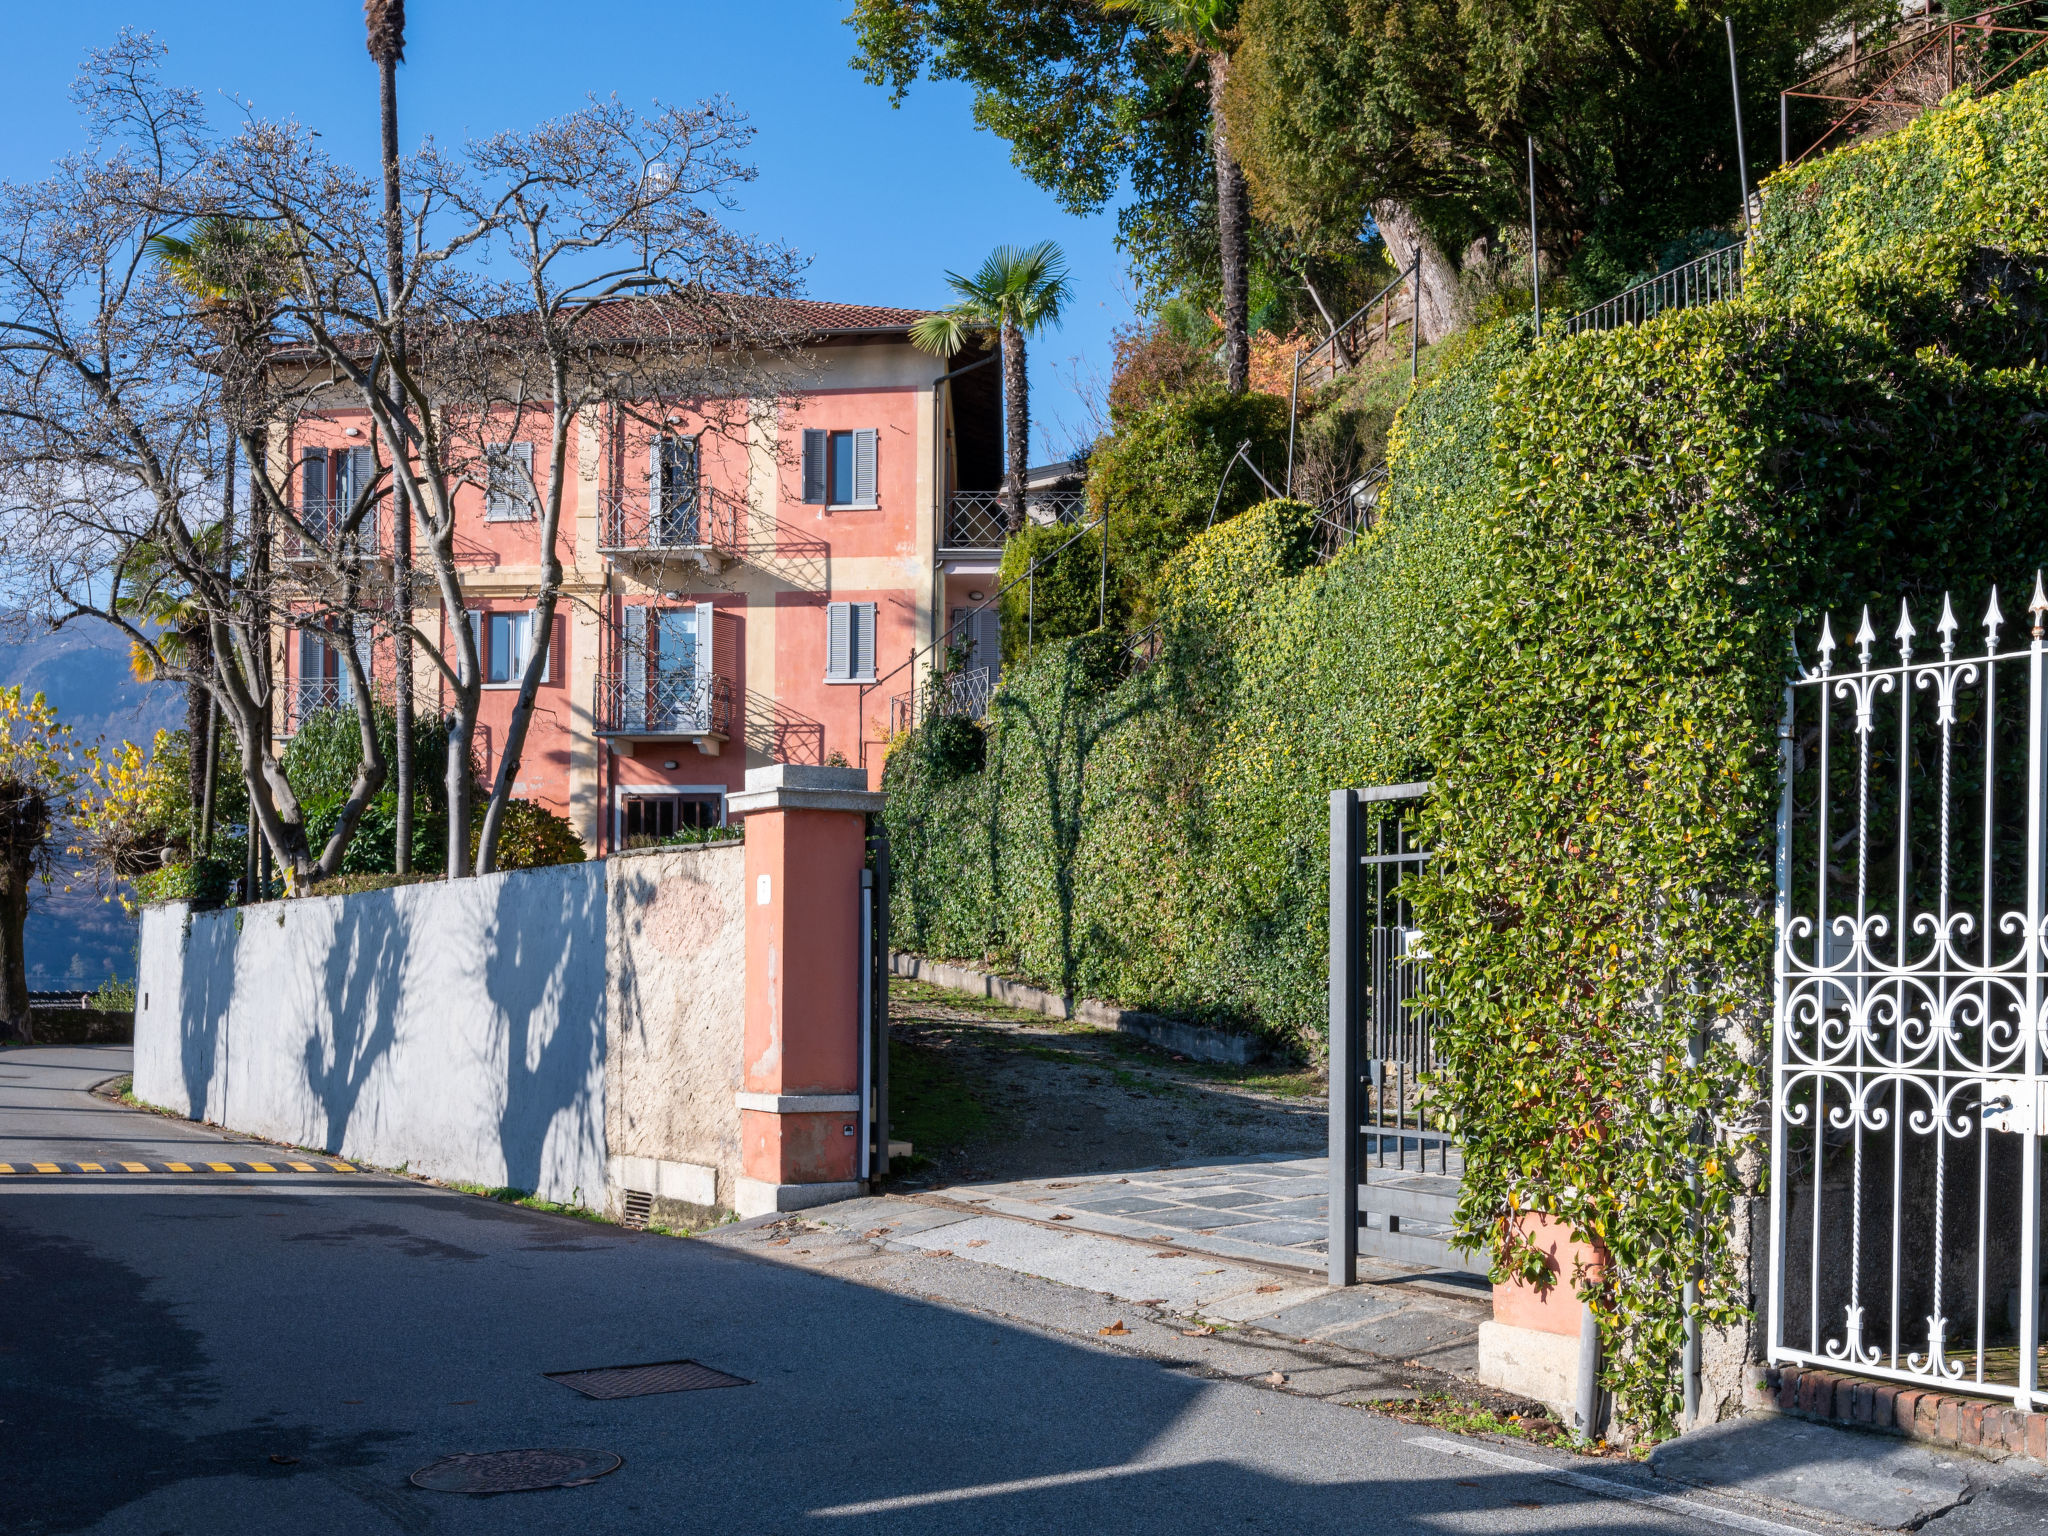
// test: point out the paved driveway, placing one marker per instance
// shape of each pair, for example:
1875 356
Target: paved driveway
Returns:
276 1353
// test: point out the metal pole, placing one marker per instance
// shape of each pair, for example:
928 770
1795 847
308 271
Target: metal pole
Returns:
1293 406
1741 153
1415 324
1344 1095
1102 593
2030 1142
1775 1335
1535 259
1030 608
1784 130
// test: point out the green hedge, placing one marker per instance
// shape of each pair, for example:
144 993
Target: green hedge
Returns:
1574 618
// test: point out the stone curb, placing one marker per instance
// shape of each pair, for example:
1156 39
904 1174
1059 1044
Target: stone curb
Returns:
1190 1040
1977 1424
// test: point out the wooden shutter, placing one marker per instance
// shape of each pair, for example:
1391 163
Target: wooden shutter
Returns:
476 637
654 507
817 450
633 669
313 493
838 641
864 467
863 641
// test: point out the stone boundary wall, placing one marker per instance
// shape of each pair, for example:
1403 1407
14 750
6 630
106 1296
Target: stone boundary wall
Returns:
1983 1425
1191 1040
574 1032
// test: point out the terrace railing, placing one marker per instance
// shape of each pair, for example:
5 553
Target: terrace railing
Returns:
664 704
1707 279
706 521
325 519
978 520
1372 324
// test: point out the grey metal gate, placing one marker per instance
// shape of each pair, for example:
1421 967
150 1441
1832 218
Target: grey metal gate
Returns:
1908 1092
874 1004
1394 1167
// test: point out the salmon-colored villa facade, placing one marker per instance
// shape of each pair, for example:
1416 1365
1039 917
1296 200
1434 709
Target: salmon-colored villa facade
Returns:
726 604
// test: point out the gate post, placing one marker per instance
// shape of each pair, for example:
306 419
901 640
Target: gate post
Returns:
800 1095
1344 1065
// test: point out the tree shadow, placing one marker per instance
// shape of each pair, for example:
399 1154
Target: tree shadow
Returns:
362 977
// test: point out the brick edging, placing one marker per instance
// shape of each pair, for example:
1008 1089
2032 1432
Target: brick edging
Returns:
1978 1424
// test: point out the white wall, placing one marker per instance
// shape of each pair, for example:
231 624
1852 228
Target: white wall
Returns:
455 1028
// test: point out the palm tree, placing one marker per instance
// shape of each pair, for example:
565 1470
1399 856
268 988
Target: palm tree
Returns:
384 26
1015 294
1199 28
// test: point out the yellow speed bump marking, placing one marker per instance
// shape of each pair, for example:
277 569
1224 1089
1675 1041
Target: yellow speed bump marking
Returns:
261 1168
136 1167
6 1167
178 1167
302 1167
222 1167
45 1167
90 1168
344 1168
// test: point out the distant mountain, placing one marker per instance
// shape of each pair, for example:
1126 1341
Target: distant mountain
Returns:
76 939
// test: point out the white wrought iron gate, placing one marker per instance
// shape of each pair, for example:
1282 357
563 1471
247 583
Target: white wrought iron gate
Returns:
1907 1092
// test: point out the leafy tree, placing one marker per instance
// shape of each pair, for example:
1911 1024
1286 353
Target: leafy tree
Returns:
39 774
1060 599
321 759
1015 293
1412 113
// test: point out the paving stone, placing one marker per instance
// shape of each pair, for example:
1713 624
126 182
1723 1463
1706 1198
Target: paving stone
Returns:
1281 1234
1296 1210
1342 1308
1184 1219
1122 1205
1229 1200
1872 1479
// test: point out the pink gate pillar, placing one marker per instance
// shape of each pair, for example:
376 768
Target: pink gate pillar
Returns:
800 1120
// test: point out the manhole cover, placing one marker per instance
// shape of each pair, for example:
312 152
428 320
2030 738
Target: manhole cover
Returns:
516 1471
646 1380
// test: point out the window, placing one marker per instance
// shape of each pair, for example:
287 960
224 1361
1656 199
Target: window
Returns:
672 492
648 819
509 494
839 467
666 678
504 643
849 642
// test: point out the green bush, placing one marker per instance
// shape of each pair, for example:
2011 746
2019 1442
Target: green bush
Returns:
204 882
529 837
1063 598
320 764
1157 476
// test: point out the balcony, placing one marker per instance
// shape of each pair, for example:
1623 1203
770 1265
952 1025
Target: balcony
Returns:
666 707
304 697
704 528
975 523
326 538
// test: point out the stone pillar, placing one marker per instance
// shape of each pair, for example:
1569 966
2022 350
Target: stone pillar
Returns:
800 1095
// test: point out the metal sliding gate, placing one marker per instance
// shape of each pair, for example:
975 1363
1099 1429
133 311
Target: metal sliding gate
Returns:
874 1004
1394 1169
1907 1075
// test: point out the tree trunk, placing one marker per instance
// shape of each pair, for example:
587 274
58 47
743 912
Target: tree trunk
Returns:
401 508
1404 235
1016 426
1233 237
15 1021
198 704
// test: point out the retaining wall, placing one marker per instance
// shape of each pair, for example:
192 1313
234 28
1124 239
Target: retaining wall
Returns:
572 1031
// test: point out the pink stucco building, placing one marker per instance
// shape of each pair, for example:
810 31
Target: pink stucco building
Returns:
728 603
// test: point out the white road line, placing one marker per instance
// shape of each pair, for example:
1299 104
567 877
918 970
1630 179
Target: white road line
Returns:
988 1491
1608 1488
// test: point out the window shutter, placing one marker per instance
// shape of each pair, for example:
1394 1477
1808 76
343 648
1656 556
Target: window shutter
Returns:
476 636
838 640
364 636
522 480
863 641
817 448
547 659
313 492
654 507
633 671
864 467
704 657
362 474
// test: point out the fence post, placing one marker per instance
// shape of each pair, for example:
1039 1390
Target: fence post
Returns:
2030 1141
800 1090
1344 1073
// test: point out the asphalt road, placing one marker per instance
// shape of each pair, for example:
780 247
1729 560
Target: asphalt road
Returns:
256 1353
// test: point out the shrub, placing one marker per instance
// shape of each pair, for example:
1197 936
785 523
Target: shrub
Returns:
1063 598
320 763
529 837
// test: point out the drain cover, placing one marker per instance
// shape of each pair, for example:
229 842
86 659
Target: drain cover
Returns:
646 1380
516 1471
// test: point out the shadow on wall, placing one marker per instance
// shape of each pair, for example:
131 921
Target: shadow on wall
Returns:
544 972
361 977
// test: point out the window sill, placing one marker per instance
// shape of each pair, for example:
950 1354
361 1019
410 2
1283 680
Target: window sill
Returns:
845 506
506 687
847 680
521 517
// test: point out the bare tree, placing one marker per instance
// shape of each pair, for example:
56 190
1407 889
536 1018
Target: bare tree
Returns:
621 288
122 384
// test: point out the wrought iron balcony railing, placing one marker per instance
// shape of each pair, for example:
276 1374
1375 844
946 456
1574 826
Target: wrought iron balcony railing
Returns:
978 519
706 521
307 696
1705 280
664 704
325 519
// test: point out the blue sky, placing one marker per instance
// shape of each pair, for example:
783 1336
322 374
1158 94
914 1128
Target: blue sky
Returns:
884 202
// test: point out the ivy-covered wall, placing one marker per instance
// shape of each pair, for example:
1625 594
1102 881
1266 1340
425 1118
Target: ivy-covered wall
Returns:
1574 618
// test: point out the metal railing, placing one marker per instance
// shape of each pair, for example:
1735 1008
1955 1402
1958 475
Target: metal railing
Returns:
977 519
1707 279
1868 90
1357 335
664 704
307 696
325 519
1350 512
705 520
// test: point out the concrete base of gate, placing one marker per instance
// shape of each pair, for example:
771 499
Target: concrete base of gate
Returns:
1530 1362
757 1197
